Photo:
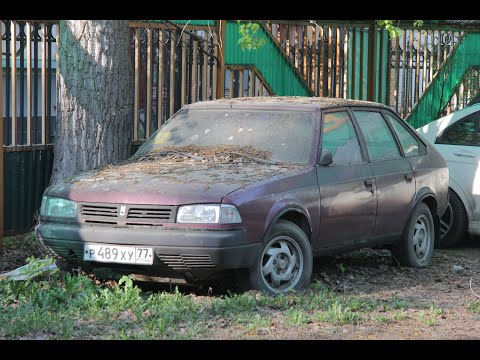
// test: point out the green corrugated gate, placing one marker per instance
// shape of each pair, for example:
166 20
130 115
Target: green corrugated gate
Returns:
268 59
26 175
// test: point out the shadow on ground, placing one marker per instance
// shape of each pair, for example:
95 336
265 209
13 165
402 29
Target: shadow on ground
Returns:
370 271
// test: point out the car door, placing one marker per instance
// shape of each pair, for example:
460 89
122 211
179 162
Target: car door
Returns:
348 201
460 146
394 177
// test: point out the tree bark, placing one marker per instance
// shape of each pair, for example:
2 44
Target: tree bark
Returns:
94 96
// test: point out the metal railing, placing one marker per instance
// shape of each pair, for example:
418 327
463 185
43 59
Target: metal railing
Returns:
29 81
465 91
173 67
241 81
334 59
415 59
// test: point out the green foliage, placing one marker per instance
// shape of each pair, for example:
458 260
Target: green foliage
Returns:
341 267
249 38
430 317
400 315
36 267
338 314
296 317
474 306
27 242
395 30
71 306
418 23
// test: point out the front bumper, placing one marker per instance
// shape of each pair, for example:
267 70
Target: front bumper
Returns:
191 252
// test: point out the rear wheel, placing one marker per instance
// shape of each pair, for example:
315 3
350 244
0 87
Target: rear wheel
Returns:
454 222
285 262
416 245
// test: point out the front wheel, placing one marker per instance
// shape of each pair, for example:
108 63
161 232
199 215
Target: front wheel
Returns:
416 244
285 262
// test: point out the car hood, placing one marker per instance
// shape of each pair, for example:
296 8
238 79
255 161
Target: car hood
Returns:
165 183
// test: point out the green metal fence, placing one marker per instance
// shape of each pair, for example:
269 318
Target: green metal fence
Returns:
272 64
26 175
444 84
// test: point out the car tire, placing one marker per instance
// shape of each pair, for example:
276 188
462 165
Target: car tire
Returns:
454 222
415 248
285 262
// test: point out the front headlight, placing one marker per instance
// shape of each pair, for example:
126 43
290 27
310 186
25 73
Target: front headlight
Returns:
208 214
58 207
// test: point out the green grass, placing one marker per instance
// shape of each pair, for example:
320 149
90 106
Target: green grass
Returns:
400 315
430 317
25 242
67 306
474 306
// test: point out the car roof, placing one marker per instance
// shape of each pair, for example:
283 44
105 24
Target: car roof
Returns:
284 101
434 128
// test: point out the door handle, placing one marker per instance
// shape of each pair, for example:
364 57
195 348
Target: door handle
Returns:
464 155
369 183
408 176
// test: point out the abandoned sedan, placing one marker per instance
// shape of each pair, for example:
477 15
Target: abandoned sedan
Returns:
255 185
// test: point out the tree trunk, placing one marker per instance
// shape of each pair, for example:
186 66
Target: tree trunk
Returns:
94 96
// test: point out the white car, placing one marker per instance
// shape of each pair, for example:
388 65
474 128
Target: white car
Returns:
457 137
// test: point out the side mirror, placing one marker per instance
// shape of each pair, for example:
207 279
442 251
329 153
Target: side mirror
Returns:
325 157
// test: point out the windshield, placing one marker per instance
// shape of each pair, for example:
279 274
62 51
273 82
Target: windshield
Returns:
286 136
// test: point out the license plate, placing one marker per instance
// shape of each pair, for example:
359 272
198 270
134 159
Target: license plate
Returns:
118 254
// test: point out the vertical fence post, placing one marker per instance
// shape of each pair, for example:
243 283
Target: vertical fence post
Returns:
13 61
372 63
221 57
29 82
44 84
1 151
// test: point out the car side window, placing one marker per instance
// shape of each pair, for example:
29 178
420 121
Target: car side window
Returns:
381 144
340 138
463 132
408 142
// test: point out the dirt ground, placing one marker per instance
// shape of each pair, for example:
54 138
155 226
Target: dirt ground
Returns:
445 284
374 274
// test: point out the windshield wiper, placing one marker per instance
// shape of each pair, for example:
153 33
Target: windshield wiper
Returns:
256 159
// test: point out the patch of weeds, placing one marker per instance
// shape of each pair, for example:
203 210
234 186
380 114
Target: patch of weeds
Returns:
435 311
430 317
253 323
474 306
341 268
25 242
338 314
360 304
398 303
379 318
400 315
296 317
235 304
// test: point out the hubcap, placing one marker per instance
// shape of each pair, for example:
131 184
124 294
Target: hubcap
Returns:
422 237
282 264
446 221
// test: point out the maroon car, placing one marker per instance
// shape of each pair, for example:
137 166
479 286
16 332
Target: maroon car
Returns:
258 185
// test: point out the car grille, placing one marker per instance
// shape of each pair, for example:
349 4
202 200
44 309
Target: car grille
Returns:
161 213
186 261
132 215
99 211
